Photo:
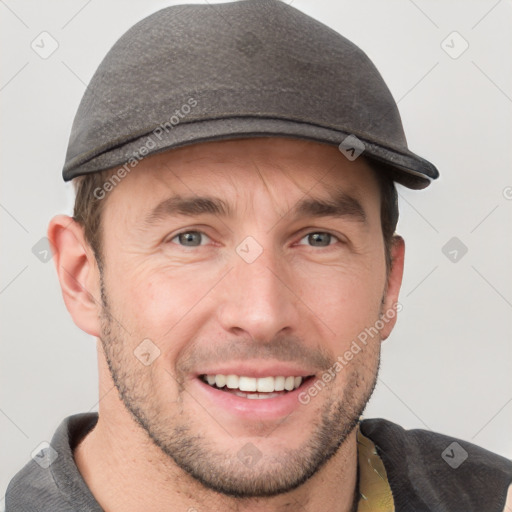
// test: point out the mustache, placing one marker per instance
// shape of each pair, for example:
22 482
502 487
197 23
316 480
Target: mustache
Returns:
290 349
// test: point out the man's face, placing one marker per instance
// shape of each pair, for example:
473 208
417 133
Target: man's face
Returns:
222 255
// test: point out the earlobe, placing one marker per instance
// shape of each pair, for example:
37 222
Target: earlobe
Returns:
390 306
77 272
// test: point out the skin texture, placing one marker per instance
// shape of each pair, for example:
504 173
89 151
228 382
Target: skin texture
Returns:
160 442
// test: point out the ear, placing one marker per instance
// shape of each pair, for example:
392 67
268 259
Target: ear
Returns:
77 271
390 305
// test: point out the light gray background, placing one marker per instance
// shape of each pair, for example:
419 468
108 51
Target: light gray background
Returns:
447 366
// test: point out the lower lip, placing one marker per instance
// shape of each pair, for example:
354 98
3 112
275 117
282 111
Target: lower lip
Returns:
251 408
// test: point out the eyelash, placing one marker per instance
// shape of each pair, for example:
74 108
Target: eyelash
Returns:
204 234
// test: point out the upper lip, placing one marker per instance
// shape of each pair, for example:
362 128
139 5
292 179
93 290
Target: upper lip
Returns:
253 369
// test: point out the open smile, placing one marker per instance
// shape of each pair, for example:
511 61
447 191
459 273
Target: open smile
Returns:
250 397
252 387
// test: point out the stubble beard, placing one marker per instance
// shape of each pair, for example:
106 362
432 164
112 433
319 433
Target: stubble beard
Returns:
219 469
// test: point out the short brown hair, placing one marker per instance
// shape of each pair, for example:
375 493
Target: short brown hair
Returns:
89 206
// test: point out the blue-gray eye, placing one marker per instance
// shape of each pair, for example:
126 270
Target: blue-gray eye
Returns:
319 239
190 238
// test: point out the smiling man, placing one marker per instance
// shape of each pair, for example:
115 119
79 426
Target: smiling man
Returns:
235 336
233 250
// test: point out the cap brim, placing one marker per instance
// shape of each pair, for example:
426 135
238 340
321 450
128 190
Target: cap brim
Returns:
405 167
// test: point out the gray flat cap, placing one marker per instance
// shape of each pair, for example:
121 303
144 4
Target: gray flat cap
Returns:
254 68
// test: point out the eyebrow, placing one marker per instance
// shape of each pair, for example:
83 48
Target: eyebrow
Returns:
189 206
339 204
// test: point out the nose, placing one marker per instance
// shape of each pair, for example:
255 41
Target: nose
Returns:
258 298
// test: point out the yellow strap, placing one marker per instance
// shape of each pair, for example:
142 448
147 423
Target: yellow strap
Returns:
376 495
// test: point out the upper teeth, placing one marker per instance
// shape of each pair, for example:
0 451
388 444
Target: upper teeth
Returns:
262 384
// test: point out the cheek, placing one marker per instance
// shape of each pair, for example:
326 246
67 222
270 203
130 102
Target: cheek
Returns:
347 300
158 303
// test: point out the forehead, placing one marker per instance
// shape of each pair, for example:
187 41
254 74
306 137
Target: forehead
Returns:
285 169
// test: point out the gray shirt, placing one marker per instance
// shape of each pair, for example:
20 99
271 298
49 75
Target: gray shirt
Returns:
51 481
419 465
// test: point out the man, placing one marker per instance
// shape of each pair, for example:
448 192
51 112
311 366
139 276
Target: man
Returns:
232 242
